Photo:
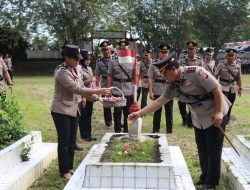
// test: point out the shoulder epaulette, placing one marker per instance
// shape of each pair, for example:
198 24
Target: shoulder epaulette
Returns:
198 57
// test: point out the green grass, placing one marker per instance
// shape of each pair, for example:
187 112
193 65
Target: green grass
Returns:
34 95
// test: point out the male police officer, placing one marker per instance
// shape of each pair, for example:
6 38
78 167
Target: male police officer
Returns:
120 76
101 72
209 63
208 106
229 74
156 85
143 74
189 60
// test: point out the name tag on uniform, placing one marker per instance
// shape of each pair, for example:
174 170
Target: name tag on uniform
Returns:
188 83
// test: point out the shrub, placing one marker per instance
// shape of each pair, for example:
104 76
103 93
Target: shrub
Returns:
11 121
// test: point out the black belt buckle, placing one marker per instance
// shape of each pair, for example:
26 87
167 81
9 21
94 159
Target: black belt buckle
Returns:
123 80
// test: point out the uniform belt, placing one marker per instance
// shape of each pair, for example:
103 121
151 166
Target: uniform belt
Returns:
200 102
160 80
228 81
121 80
104 77
145 77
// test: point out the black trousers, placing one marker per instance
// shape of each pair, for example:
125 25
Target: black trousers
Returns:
186 117
107 116
231 97
118 116
168 117
139 89
209 143
85 120
66 127
144 97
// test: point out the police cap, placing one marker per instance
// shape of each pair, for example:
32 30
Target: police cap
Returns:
164 48
123 43
231 52
209 51
84 54
145 51
191 44
105 44
166 63
71 51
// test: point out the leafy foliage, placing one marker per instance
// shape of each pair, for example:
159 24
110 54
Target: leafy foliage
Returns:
11 125
26 149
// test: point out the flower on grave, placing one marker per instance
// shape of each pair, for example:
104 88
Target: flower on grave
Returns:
119 153
137 147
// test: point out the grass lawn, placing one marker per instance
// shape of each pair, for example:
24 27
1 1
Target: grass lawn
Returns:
34 95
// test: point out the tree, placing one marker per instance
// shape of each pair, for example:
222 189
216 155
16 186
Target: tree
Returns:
218 20
70 21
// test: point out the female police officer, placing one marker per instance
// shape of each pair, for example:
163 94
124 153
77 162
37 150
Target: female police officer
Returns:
64 109
202 92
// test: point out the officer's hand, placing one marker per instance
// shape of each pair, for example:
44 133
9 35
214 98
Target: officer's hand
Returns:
217 118
83 102
239 92
134 116
105 91
151 96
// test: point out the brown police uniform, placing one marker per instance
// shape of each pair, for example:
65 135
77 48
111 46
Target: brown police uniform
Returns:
64 109
85 119
159 84
194 88
3 68
185 61
228 75
143 73
122 75
101 70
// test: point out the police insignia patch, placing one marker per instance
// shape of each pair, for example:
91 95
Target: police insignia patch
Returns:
190 69
203 74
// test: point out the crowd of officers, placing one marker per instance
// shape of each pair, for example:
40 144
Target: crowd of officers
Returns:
77 88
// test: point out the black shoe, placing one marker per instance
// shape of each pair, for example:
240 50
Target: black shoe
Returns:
184 123
89 139
155 131
208 187
78 148
108 123
169 131
199 182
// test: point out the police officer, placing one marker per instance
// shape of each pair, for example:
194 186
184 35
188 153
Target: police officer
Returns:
4 76
64 109
189 60
86 108
143 74
101 73
156 85
209 63
229 74
208 106
120 75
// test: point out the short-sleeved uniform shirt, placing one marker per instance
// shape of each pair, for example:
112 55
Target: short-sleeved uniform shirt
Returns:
227 81
3 68
210 66
197 61
101 68
159 82
198 82
86 75
143 71
118 74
